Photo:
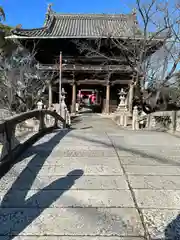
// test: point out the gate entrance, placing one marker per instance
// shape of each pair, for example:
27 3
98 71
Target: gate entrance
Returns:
91 99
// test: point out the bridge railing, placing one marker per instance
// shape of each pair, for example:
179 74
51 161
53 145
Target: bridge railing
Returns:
20 131
166 121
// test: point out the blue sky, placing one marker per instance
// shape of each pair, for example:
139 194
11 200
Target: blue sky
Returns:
31 13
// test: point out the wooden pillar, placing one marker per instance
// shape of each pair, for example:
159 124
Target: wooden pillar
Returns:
73 109
107 97
97 97
50 94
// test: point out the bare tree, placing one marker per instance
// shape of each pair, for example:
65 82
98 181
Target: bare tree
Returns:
158 28
22 85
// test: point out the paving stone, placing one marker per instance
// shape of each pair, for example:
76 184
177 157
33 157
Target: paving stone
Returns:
91 140
50 171
152 170
155 182
71 238
63 198
162 224
84 137
70 221
70 152
139 161
85 182
151 139
82 147
59 161
106 168
159 157
99 169
86 146
85 153
122 153
151 161
163 153
169 199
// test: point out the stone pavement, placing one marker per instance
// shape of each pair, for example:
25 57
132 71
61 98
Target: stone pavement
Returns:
94 182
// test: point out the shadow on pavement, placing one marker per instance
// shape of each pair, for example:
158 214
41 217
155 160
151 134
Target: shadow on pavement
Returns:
172 231
14 220
83 128
119 147
47 146
76 119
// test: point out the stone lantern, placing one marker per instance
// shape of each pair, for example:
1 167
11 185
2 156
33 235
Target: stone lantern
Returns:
122 108
122 98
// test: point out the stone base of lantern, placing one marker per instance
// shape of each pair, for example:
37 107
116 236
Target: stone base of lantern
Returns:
121 107
121 116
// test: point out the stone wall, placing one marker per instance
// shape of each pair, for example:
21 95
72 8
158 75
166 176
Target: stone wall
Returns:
164 121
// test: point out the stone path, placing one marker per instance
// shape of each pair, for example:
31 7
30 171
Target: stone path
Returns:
94 182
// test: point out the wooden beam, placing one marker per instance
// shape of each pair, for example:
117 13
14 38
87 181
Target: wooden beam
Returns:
64 80
93 59
103 82
120 81
85 68
94 81
91 82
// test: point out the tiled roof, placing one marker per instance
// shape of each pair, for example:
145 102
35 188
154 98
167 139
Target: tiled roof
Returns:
83 26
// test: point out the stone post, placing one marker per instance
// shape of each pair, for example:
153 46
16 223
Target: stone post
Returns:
125 117
148 122
63 104
173 121
50 94
131 96
41 121
39 105
5 145
73 107
107 97
135 123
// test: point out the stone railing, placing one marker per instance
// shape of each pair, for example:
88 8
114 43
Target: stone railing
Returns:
20 131
168 121
164 121
64 112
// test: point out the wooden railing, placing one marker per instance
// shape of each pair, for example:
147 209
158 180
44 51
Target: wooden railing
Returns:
20 131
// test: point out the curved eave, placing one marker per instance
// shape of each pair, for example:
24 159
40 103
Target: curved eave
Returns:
14 36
